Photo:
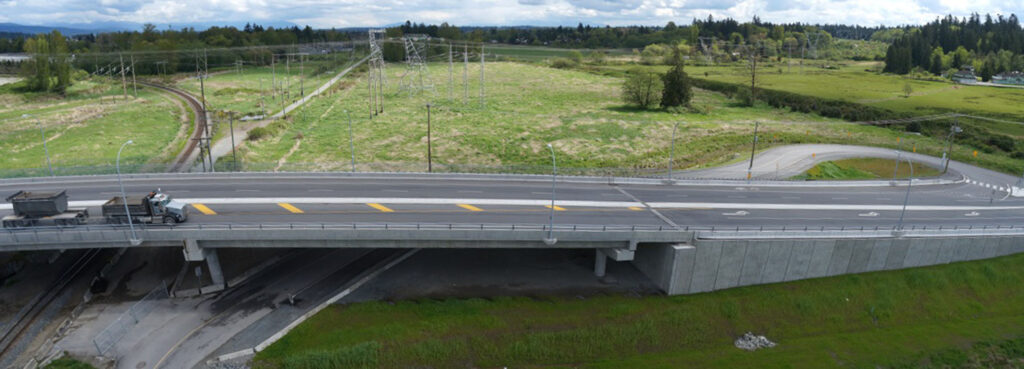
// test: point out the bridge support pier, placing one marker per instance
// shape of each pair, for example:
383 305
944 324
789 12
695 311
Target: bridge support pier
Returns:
600 263
193 252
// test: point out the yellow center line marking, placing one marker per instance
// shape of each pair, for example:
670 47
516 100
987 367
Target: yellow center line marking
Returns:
290 207
470 207
203 209
636 208
380 207
557 208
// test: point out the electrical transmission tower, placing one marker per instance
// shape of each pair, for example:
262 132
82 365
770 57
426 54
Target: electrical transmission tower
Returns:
375 76
416 76
811 43
706 45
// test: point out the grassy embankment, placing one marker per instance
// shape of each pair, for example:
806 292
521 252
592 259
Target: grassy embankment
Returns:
528 106
1000 145
866 168
916 317
68 363
86 127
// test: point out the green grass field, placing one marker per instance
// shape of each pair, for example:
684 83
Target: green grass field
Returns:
866 168
87 127
861 83
855 321
250 90
528 106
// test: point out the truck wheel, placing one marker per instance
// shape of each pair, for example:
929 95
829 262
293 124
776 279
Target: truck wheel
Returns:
170 220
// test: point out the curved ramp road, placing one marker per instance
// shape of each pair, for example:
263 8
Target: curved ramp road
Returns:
792 160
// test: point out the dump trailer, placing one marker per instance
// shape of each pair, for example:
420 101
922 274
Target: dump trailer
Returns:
42 209
154 207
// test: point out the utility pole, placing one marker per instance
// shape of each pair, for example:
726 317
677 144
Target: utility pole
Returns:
465 74
753 149
351 145
202 87
302 75
273 77
134 87
482 103
124 82
430 162
451 84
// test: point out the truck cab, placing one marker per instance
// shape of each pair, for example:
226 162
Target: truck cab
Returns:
164 206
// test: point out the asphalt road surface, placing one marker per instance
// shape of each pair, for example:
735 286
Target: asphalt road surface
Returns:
979 197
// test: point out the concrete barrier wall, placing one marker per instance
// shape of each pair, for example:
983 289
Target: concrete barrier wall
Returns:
709 265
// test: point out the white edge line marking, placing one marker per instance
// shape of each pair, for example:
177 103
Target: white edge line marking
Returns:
564 203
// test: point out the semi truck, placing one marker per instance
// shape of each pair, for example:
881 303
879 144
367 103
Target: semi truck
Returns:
43 208
51 209
154 207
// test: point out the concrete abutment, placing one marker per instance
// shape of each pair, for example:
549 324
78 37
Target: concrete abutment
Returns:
707 265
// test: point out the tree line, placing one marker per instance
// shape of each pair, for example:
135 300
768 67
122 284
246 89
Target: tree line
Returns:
991 46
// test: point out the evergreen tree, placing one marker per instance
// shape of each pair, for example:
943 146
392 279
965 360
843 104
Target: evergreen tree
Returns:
677 90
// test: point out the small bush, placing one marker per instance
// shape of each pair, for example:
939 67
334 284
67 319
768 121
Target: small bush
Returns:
562 63
258 133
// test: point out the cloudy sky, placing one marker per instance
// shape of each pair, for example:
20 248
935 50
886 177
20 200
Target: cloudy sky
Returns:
356 13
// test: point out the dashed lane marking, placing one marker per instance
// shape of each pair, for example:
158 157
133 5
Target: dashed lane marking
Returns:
290 207
204 209
382 208
470 207
636 208
557 208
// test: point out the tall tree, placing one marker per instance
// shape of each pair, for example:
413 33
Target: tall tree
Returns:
677 90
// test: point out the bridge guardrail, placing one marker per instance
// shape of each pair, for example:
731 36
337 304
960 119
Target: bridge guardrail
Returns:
512 227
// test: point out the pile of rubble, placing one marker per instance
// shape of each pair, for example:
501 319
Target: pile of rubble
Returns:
751 342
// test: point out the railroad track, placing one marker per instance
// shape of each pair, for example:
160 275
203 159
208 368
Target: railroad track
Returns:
28 315
181 162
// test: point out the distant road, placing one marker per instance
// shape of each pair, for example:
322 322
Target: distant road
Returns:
792 160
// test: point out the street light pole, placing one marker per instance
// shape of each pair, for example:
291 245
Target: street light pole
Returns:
135 241
753 149
43 137
949 149
672 152
551 240
351 146
899 156
906 199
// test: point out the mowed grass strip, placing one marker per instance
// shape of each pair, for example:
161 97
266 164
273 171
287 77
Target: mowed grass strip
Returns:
867 168
857 321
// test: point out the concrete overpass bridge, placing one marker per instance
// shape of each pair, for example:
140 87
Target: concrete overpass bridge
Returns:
688 235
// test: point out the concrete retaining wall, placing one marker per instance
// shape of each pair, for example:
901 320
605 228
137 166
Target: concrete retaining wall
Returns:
709 265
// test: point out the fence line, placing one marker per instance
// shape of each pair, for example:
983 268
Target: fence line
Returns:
113 333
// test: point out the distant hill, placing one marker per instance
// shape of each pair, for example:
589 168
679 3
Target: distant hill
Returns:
102 27
31 30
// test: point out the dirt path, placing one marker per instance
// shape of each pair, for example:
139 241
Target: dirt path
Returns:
223 147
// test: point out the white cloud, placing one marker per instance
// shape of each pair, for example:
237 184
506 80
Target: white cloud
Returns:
351 13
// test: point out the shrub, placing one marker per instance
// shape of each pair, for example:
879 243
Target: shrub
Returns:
257 133
642 88
562 63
